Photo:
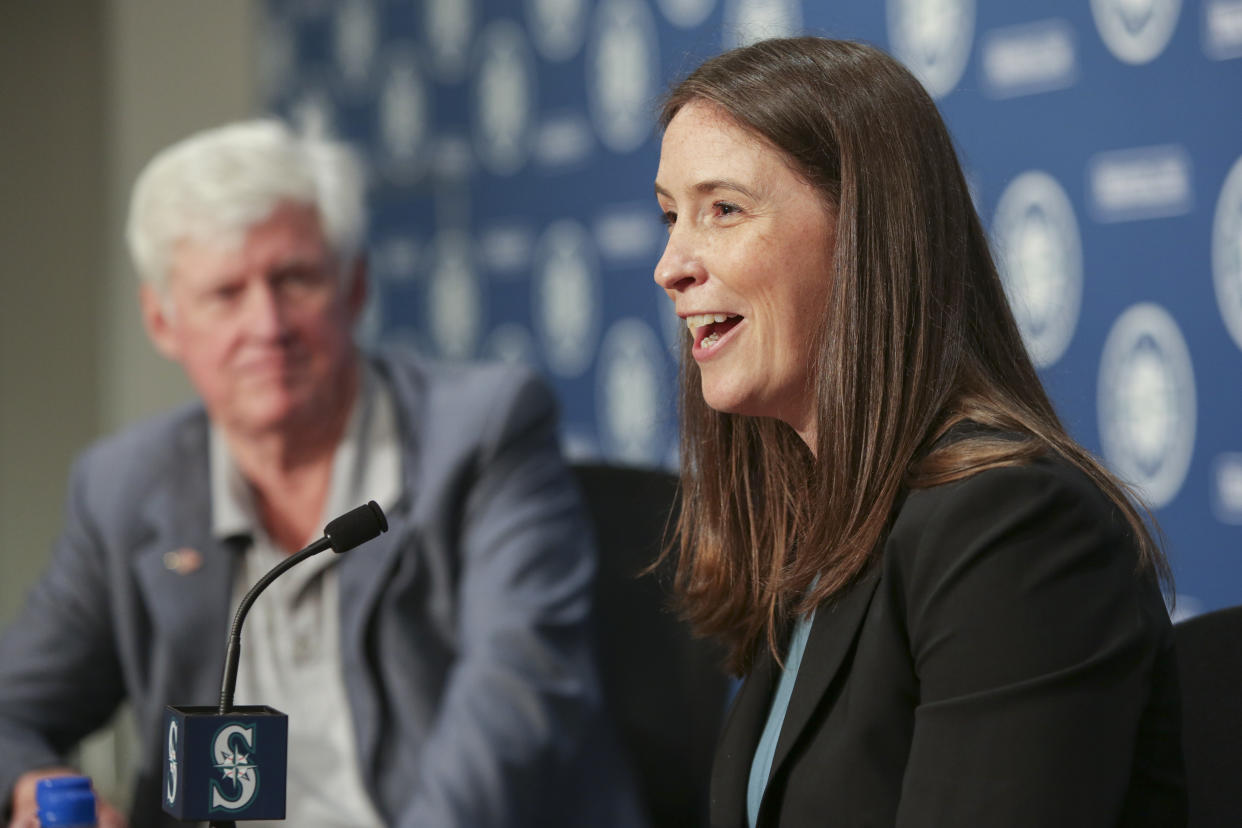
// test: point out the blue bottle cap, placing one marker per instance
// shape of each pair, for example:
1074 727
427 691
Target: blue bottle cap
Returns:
65 801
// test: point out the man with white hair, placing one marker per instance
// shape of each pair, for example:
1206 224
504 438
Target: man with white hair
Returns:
441 675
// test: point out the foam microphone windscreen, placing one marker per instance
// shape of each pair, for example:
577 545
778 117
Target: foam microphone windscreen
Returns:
356 527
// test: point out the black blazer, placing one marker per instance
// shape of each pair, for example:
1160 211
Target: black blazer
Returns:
1001 665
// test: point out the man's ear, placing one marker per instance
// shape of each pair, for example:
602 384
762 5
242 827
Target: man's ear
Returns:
356 287
156 319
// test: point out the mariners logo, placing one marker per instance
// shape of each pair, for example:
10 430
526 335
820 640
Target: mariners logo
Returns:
622 66
566 297
1040 258
448 24
455 298
746 21
1227 252
628 394
278 54
1147 402
1227 494
556 26
511 343
354 38
1136 31
504 98
313 111
171 778
233 752
686 13
402 114
933 39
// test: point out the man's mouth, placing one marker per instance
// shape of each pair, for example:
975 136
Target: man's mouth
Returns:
707 328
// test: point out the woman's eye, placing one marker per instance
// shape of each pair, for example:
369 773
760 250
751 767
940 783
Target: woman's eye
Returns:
725 208
668 218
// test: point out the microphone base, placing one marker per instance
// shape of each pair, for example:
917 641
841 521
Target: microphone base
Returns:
222 768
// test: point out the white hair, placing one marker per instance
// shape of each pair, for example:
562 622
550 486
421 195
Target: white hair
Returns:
213 186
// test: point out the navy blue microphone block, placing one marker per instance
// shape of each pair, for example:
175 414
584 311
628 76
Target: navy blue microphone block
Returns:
225 767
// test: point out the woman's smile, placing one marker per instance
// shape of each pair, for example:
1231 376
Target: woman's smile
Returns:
710 330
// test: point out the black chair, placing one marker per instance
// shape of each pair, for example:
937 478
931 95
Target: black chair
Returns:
1209 655
665 689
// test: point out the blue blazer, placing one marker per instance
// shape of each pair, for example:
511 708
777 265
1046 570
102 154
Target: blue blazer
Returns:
465 630
1002 664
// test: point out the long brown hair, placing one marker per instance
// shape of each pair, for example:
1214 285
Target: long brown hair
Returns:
917 336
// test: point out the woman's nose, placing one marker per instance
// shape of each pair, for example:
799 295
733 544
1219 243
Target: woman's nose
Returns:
678 268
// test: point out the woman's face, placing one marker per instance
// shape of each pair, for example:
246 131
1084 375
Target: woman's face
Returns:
750 243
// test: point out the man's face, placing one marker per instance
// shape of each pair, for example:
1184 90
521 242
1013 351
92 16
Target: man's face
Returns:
264 331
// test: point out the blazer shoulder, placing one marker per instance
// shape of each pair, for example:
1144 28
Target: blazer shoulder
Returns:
1039 504
480 386
455 412
141 458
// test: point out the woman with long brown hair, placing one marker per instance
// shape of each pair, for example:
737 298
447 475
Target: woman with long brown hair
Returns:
947 612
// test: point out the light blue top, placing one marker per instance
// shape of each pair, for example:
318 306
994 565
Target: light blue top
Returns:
761 764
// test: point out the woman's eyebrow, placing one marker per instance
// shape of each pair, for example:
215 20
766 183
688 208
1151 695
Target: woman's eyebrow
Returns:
712 184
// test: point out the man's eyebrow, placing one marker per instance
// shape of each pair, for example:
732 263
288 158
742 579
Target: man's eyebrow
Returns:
711 185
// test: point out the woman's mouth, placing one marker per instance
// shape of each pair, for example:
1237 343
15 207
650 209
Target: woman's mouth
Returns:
708 328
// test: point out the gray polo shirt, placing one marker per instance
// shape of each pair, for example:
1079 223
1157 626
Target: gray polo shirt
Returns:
291 643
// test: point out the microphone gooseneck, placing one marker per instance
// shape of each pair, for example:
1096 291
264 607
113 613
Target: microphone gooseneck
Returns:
355 527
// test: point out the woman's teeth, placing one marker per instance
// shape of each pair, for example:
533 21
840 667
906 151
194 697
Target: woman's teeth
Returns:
698 320
701 320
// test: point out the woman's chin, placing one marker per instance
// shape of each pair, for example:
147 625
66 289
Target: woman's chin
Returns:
729 401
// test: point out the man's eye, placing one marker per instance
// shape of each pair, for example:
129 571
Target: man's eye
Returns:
300 278
725 208
668 218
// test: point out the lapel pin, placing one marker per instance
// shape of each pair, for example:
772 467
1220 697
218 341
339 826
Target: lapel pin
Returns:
183 561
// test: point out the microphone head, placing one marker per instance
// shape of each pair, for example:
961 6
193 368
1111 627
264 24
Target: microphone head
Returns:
356 527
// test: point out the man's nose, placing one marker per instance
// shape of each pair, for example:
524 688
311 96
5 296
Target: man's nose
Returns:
265 311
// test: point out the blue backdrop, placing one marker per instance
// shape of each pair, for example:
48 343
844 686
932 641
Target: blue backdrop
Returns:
511 151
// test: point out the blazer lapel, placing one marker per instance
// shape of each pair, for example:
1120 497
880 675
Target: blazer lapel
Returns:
741 732
185 577
833 633
189 612
363 574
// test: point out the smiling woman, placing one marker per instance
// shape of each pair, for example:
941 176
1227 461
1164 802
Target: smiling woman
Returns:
737 211
947 612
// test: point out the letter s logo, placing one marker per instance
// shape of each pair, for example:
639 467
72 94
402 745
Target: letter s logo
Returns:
170 779
231 748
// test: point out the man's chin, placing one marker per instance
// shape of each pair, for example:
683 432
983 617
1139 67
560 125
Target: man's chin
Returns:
268 410
259 416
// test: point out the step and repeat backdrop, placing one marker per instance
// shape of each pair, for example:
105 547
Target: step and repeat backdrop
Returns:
511 150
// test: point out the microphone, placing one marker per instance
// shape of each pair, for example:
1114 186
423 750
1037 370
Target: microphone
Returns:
351 529
203 742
